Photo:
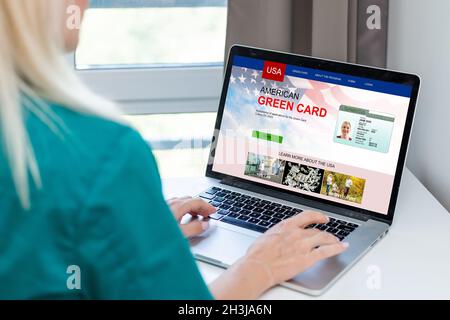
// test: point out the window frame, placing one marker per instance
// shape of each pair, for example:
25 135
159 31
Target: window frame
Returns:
131 86
133 89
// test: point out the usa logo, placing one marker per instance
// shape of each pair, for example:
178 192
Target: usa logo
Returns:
274 71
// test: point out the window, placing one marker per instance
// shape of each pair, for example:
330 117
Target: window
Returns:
180 142
147 33
162 61
154 56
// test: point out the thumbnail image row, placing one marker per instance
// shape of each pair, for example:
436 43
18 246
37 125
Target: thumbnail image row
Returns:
305 177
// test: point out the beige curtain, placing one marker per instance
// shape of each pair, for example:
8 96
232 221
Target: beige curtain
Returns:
346 30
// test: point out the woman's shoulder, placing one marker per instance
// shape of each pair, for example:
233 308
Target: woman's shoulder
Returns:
89 125
94 132
79 145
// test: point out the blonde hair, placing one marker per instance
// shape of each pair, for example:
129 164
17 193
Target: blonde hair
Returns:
33 70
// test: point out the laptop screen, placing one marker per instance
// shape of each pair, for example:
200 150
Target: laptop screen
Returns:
328 135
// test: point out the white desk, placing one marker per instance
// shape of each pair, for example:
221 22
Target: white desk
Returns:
411 262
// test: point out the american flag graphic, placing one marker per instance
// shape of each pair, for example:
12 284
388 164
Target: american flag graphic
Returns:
251 82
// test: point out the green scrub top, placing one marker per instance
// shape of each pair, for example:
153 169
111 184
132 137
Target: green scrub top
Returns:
99 227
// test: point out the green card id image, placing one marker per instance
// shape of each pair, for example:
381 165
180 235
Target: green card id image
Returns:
363 128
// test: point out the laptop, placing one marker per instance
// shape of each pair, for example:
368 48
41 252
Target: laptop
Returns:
296 133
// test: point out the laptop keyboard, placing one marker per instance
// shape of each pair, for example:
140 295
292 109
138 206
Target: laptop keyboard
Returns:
260 215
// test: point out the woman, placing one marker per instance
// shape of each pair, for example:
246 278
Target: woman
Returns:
79 188
348 185
329 183
262 168
346 128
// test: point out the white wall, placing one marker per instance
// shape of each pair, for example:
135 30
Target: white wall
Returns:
419 42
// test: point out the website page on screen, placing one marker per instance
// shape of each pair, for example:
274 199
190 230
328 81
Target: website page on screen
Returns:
323 134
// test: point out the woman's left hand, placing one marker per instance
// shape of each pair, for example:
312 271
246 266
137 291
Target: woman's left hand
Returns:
195 207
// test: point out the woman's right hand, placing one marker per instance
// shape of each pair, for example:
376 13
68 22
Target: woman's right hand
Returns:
289 249
280 254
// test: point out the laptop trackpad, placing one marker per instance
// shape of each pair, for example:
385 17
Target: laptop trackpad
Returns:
220 245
